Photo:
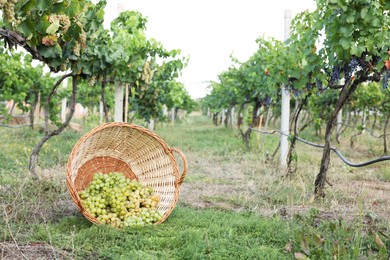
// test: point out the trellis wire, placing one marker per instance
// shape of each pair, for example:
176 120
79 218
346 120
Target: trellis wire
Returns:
339 154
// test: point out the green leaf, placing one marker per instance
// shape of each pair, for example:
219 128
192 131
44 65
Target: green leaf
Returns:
343 6
51 52
345 43
24 5
357 50
73 9
351 18
43 5
42 24
375 22
364 13
53 28
59 8
346 31
26 27
74 30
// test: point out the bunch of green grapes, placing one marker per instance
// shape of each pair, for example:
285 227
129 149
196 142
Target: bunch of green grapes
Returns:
62 19
112 199
147 73
76 49
8 7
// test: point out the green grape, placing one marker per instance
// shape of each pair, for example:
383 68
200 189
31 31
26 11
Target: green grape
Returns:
114 200
76 49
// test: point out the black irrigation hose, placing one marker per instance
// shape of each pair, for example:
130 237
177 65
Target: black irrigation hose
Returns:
339 154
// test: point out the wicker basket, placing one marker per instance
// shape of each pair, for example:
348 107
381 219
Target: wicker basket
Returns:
132 150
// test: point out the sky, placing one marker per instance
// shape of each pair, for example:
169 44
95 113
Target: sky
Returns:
208 32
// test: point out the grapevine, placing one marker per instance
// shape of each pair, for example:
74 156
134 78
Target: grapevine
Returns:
112 199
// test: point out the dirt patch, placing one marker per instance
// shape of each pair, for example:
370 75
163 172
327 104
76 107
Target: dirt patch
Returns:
366 195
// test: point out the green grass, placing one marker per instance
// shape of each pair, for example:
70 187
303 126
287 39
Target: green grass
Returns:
187 234
233 204
201 234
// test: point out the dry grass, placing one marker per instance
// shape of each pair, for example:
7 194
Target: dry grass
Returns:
32 250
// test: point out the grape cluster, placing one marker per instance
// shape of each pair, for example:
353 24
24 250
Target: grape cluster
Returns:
385 79
350 68
147 73
62 19
375 59
112 199
83 38
80 44
267 101
92 80
335 76
76 49
8 7
319 84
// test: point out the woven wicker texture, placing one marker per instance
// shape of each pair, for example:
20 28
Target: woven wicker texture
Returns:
132 150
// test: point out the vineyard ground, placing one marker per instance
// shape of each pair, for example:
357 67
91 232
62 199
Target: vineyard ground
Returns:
233 202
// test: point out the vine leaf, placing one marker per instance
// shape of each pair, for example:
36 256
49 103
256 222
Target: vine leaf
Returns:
50 40
53 28
43 5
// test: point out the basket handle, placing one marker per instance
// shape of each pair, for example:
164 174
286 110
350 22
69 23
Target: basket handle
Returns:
183 157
